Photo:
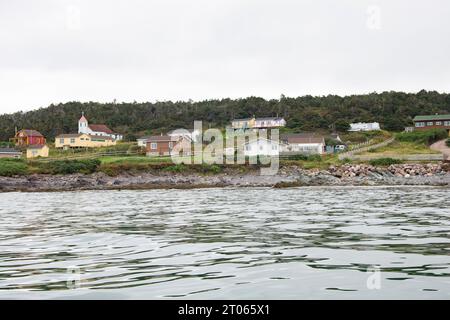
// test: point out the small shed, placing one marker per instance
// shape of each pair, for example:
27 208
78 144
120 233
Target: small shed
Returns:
37 151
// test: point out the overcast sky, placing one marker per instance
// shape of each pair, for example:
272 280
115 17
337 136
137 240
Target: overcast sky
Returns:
99 50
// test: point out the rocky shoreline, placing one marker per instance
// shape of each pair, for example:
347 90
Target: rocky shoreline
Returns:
288 176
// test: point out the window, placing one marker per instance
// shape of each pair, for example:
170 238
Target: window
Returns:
447 123
153 145
61 140
170 145
429 123
420 124
274 147
72 140
248 147
438 123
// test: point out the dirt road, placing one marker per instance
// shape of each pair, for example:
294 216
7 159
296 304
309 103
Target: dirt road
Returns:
441 147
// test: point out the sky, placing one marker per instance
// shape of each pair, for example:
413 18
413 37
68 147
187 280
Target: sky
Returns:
54 51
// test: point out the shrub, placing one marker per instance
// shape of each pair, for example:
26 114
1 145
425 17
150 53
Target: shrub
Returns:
210 168
176 168
298 157
426 136
447 142
12 167
384 162
85 166
315 157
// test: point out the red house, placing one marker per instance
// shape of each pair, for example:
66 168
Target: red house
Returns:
27 137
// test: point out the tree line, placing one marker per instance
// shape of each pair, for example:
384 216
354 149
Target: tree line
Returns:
393 110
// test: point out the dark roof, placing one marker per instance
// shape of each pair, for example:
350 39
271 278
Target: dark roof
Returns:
33 133
303 138
161 138
9 150
100 128
432 117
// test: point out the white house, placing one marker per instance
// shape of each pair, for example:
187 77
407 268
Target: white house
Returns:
303 143
142 141
193 135
96 129
261 147
363 126
262 123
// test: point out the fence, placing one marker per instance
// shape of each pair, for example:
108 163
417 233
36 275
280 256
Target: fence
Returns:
408 157
351 154
88 155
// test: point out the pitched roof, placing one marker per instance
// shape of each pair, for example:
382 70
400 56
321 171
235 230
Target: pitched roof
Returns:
9 150
303 138
161 138
30 132
432 117
100 128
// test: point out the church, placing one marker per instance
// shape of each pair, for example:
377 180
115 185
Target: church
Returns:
96 129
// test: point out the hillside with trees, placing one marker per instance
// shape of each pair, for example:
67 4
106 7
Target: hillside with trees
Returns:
394 111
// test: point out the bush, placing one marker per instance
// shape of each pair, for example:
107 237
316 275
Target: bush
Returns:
427 137
447 142
12 167
176 168
315 157
85 166
298 157
384 162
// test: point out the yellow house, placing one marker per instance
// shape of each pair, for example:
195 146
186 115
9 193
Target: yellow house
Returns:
83 140
243 123
37 151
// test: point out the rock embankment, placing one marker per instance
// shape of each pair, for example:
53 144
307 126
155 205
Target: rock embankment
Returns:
288 176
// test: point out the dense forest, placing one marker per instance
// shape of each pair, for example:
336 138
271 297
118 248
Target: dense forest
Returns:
394 111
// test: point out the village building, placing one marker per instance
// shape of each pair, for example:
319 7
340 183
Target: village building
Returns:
261 147
10 153
83 140
364 126
437 121
96 129
36 151
258 123
142 141
303 143
27 137
164 145
193 135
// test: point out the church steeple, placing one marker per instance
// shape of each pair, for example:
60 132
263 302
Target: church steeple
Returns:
83 124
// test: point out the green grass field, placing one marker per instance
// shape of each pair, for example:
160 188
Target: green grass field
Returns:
401 148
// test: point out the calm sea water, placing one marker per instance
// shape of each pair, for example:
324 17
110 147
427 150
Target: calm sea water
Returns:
252 243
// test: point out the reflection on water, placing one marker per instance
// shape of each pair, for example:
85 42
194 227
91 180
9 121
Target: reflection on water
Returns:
258 243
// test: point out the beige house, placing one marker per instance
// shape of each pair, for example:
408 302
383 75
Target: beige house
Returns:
37 151
83 140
